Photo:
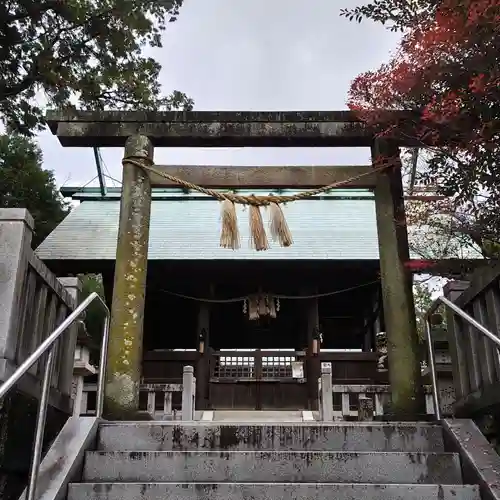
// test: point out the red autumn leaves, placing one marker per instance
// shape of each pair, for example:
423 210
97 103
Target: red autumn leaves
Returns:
447 68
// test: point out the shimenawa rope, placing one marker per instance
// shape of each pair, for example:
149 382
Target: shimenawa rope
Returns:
279 229
278 296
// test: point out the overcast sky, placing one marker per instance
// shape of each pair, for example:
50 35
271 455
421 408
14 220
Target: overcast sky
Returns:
251 55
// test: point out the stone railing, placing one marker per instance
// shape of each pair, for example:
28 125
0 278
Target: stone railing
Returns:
33 302
159 399
356 402
475 359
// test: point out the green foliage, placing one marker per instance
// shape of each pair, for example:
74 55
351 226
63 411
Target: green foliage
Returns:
84 53
422 296
423 301
25 184
94 315
394 13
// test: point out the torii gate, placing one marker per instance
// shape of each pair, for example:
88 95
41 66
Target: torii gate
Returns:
138 132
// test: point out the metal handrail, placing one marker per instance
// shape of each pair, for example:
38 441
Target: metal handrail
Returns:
430 347
48 346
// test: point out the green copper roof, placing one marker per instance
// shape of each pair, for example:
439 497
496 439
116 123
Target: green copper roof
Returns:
187 228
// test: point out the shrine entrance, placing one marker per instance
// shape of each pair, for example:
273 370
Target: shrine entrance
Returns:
258 354
137 132
258 380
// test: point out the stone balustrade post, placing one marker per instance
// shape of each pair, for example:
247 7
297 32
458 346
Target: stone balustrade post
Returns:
188 393
16 230
326 396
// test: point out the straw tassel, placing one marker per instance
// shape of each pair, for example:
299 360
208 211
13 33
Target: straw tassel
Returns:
258 237
230 235
272 306
279 228
253 308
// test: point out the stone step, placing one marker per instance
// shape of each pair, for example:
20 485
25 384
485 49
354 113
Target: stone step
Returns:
262 416
345 436
273 466
266 491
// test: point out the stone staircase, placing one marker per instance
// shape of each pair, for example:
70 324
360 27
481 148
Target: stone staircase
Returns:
259 416
219 461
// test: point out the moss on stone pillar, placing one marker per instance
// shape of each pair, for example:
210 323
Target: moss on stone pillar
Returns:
123 369
399 312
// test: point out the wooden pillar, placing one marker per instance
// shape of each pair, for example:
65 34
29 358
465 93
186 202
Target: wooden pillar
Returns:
258 369
123 369
399 312
203 364
370 325
368 337
313 362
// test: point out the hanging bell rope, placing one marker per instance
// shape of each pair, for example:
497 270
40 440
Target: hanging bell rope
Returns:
230 236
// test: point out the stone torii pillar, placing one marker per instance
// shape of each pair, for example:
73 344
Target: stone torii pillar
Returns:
123 368
397 294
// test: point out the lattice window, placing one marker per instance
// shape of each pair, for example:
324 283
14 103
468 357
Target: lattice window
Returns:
244 367
235 367
277 366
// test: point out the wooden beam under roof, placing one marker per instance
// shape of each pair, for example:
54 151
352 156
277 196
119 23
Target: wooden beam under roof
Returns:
287 177
215 129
